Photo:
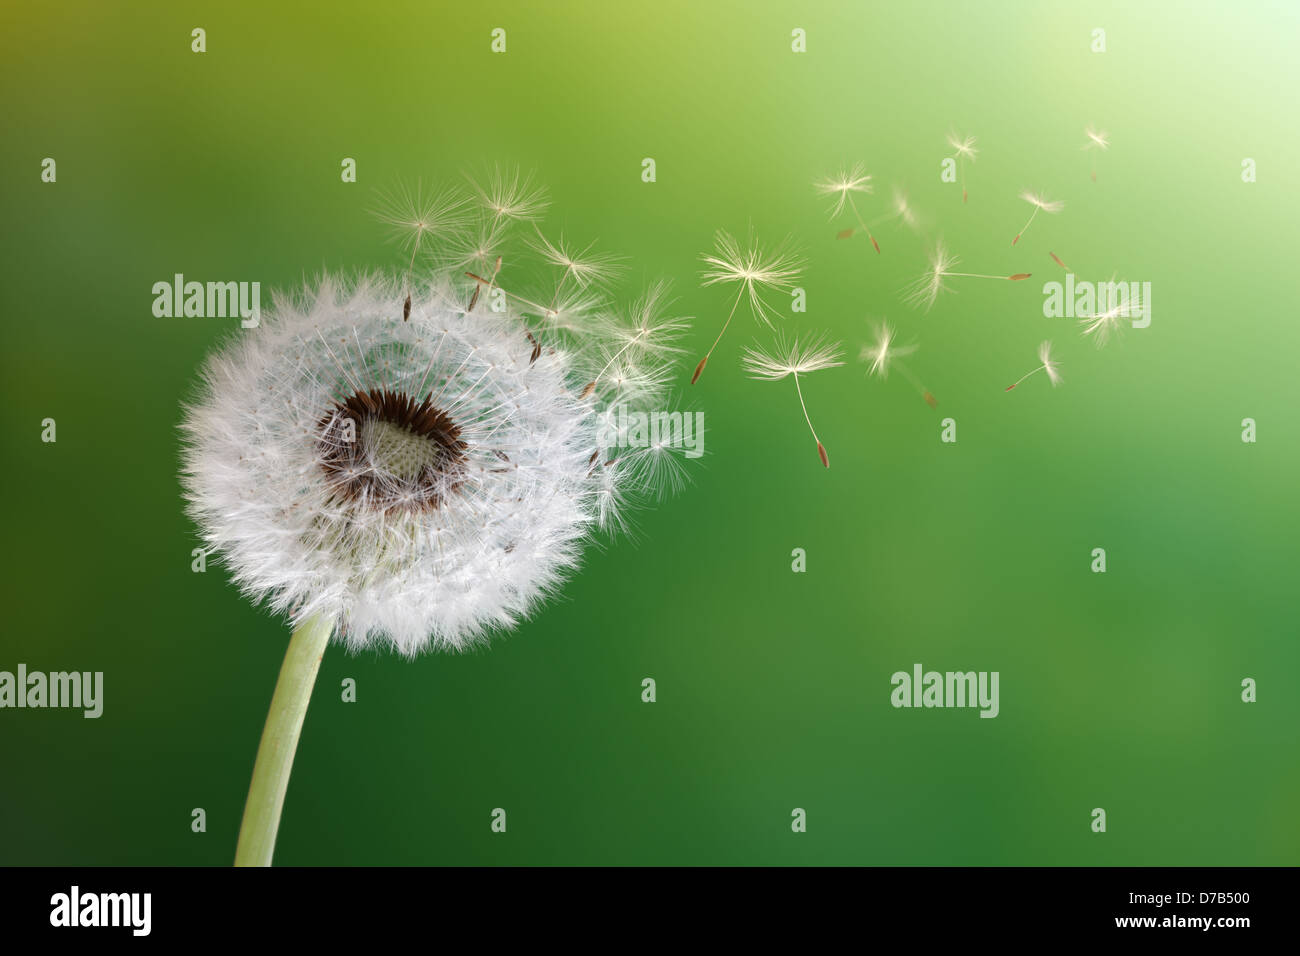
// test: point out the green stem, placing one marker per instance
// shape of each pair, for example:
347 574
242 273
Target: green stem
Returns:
280 741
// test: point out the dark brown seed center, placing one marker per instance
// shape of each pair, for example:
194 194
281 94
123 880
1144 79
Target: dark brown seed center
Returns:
390 452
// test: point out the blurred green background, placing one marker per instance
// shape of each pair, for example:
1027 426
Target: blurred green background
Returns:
1119 691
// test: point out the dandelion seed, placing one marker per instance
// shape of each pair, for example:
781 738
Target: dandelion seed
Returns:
1039 203
418 217
842 187
1050 366
1102 325
754 270
482 249
586 268
650 332
415 218
1097 141
511 195
926 289
965 150
902 209
885 353
792 360
1057 260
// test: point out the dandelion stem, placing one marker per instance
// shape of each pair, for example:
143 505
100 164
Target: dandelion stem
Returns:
631 342
865 228
559 286
916 382
731 315
1023 377
821 449
973 275
1026 226
280 741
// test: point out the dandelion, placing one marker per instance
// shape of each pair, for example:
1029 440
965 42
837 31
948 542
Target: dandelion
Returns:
925 290
1057 260
1096 141
786 360
511 195
754 271
900 210
413 483
842 188
886 353
651 333
650 330
1116 307
965 150
416 218
1039 203
585 268
1050 366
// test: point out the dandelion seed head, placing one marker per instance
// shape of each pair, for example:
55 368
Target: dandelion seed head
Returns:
884 351
926 289
903 208
1106 323
1046 205
651 330
480 248
422 480
1050 366
755 268
584 266
845 182
1097 139
509 194
963 145
790 358
419 216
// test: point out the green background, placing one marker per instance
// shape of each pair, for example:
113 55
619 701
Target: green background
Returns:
1119 690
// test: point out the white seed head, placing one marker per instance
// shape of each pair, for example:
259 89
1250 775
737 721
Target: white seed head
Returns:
925 290
1102 325
884 351
903 208
963 145
1046 205
782 359
584 267
422 480
1051 367
754 268
1096 139
419 216
855 180
511 195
